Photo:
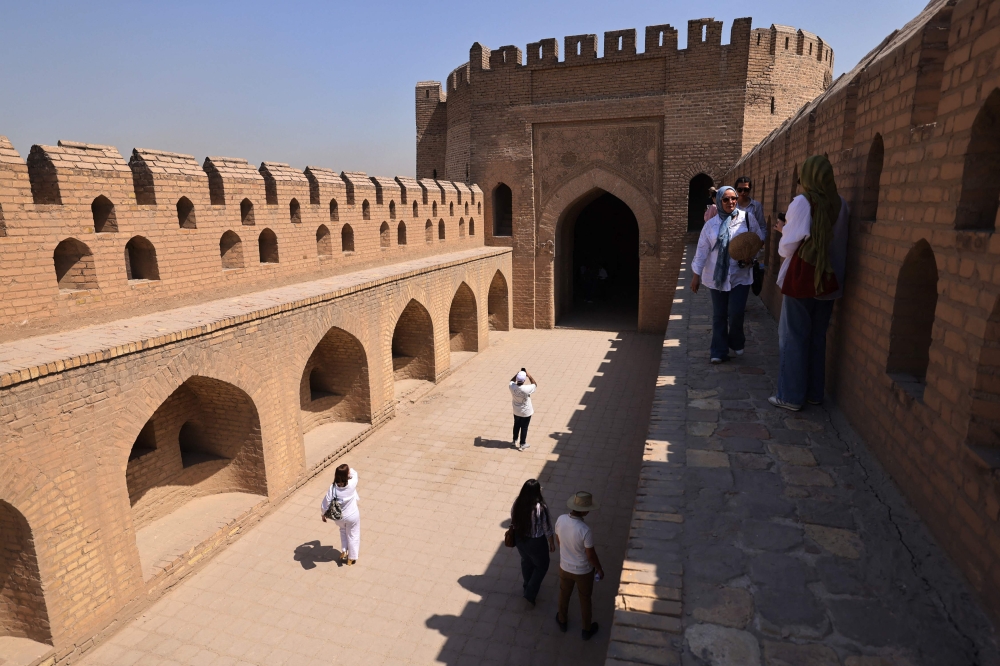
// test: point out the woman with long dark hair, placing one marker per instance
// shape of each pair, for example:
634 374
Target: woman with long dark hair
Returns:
340 504
533 536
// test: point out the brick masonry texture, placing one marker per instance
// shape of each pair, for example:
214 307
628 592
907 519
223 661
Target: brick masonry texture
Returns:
637 125
912 134
89 238
105 429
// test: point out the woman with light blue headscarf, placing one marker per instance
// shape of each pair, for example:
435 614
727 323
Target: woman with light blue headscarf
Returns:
727 279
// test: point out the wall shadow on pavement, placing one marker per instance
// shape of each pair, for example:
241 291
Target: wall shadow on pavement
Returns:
600 450
308 554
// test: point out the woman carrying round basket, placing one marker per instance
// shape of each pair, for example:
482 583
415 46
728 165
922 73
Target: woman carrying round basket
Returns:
723 262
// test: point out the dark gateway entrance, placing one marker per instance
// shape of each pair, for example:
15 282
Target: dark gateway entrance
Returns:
601 232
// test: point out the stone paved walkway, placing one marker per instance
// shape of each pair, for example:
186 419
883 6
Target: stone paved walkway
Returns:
795 548
434 583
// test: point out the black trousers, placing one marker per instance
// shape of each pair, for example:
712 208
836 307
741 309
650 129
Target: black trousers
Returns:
521 425
534 562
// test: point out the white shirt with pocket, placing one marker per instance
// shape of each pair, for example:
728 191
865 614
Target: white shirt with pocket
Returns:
521 398
575 538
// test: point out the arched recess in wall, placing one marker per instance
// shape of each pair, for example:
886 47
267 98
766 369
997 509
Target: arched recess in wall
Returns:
984 417
74 264
204 439
401 234
22 602
873 178
440 229
451 209
913 313
472 227
416 210
334 211
246 213
930 67
434 208
231 251
429 232
103 211
466 207
346 238
3 224
461 227
295 211
977 205
413 344
366 210
503 210
140 260
324 244
497 304
334 384
463 321
384 235
699 199
267 247
185 214
392 210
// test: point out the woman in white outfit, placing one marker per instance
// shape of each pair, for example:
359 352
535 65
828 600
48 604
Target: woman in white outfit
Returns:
344 490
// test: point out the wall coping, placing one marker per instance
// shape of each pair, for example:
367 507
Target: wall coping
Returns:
31 358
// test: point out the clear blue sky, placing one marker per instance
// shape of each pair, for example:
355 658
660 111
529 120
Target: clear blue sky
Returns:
329 84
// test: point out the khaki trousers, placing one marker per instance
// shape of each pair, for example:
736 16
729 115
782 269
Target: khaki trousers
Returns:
585 585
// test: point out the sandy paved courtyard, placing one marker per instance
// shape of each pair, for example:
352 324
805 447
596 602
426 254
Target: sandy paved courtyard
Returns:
434 583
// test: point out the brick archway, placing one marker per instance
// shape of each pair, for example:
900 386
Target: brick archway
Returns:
463 320
564 204
334 385
23 612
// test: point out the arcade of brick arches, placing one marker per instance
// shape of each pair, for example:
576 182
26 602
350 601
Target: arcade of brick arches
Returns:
189 346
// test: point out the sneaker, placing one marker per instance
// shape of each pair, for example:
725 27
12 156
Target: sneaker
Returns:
739 352
777 402
524 446
514 443
562 625
716 361
587 633
815 402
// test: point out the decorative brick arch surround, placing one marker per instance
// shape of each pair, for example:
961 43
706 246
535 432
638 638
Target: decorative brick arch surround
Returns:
566 201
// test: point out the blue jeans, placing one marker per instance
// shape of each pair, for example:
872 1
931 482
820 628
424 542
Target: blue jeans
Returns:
802 349
534 563
728 308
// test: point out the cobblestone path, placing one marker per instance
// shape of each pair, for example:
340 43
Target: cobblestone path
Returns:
434 583
792 547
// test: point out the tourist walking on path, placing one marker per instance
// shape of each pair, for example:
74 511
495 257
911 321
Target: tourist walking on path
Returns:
522 385
533 536
342 500
728 280
814 246
579 565
747 203
711 210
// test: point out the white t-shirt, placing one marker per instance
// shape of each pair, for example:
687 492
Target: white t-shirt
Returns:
521 398
574 538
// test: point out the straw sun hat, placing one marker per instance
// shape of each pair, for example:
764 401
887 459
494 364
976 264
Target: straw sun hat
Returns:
583 502
744 247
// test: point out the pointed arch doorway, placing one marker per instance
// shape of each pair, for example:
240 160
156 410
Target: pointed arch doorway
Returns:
597 262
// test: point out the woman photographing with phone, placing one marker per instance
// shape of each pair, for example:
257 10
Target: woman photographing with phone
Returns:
341 506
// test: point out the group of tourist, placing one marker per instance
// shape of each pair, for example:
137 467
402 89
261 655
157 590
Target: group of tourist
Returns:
813 246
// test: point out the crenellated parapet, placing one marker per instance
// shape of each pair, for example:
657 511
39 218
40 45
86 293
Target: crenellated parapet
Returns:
86 235
774 71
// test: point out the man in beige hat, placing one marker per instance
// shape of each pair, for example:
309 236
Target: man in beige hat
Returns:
578 562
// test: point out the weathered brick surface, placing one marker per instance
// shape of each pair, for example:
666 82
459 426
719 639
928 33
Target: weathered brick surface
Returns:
912 134
637 125
105 429
210 230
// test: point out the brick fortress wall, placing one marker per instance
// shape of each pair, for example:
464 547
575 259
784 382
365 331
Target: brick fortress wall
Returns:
913 132
637 125
175 331
88 238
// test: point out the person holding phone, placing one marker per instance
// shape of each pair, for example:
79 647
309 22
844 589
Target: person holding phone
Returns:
522 385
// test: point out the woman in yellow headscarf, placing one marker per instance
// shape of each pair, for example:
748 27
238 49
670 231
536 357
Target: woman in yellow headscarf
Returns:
815 234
